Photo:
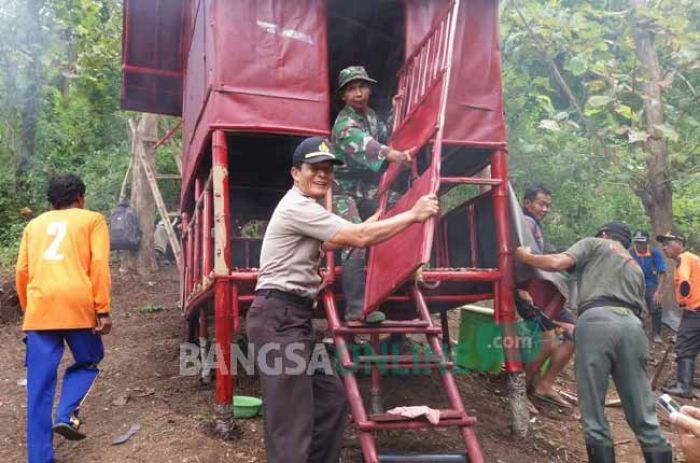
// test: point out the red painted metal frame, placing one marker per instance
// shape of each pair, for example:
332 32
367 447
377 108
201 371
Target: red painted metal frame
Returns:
184 292
150 71
207 212
470 180
369 449
451 389
476 275
471 220
223 308
393 262
504 308
456 416
190 281
204 280
160 36
197 262
424 67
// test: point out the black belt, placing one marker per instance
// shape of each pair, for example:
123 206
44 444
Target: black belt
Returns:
285 296
607 301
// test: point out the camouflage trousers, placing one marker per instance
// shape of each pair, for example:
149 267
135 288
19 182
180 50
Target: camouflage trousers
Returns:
357 209
346 206
353 260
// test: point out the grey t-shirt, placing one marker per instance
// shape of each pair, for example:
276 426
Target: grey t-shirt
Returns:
536 230
604 268
291 250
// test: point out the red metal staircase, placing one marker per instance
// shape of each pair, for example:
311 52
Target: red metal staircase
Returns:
401 264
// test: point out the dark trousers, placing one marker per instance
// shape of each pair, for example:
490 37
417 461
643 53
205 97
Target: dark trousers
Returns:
354 277
688 342
610 341
44 352
304 412
655 312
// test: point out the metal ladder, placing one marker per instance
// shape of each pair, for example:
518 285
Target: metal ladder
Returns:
367 423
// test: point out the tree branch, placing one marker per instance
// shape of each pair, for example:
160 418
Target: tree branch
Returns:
554 68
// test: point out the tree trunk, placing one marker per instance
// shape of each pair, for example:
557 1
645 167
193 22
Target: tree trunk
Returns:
31 96
144 138
655 190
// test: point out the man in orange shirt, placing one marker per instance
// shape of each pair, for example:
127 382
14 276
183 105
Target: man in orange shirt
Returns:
686 279
63 284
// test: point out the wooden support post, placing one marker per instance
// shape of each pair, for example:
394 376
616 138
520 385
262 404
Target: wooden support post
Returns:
197 263
142 260
184 269
206 231
504 303
205 374
222 214
150 175
222 287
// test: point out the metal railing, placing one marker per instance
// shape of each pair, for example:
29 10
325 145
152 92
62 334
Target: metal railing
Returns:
424 68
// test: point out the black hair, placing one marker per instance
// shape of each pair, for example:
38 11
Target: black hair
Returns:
64 190
532 192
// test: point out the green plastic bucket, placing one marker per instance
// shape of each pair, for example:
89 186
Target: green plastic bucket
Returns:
246 406
480 346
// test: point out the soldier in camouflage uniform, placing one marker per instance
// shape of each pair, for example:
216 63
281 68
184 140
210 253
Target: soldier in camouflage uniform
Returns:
358 139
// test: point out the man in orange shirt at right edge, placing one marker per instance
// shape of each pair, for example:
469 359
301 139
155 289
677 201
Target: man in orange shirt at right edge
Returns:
63 284
686 279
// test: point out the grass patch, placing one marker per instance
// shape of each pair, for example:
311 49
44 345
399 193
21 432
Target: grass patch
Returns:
151 308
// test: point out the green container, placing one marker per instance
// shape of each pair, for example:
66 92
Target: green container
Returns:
246 407
480 346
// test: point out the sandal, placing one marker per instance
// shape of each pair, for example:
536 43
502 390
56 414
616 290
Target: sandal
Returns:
68 431
550 399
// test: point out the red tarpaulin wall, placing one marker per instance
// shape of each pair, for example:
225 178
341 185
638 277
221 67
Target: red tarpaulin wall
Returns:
473 115
475 103
152 56
267 61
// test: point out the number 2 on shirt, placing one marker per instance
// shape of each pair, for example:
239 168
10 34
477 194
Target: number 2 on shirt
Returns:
57 229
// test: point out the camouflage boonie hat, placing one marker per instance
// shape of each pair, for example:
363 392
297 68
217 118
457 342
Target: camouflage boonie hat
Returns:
351 73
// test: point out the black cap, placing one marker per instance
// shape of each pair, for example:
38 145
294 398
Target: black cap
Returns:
674 234
640 236
618 229
314 150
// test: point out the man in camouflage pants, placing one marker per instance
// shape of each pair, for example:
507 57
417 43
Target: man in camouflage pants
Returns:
358 139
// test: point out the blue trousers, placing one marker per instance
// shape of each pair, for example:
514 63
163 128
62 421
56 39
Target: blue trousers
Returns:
44 352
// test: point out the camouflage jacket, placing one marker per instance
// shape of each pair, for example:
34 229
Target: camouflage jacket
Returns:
358 139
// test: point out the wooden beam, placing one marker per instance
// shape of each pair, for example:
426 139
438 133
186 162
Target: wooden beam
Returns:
172 237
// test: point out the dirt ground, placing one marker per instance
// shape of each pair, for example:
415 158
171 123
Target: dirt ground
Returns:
140 383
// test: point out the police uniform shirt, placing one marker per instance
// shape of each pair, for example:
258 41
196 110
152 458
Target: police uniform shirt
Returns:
291 250
605 269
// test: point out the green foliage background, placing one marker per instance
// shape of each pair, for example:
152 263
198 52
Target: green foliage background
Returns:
591 160
70 52
60 86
